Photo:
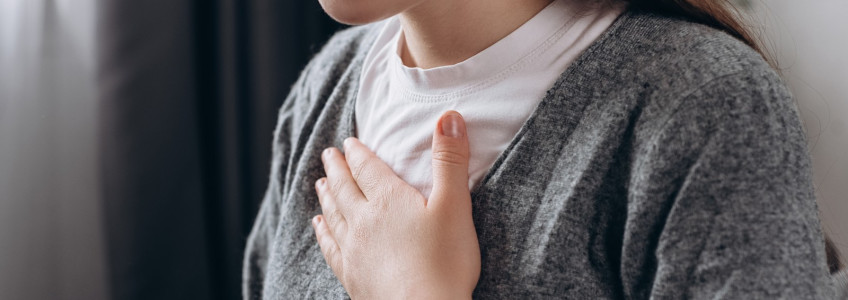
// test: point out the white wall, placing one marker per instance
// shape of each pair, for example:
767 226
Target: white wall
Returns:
51 242
810 39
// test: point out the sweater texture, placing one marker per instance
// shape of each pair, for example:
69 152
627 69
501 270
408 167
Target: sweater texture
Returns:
668 161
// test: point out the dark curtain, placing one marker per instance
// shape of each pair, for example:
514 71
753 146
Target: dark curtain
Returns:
189 93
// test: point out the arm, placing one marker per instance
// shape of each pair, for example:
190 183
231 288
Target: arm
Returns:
264 227
261 236
740 220
297 117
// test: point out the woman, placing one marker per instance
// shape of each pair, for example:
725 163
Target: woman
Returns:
590 149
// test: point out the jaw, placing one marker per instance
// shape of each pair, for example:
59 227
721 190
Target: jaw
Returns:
358 12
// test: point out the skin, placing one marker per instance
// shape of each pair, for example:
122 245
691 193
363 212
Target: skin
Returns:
383 239
380 236
431 38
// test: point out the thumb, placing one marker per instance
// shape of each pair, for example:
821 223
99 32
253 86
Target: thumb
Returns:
450 157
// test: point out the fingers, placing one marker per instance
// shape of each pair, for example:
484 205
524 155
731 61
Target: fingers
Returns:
329 246
340 181
374 177
450 157
334 217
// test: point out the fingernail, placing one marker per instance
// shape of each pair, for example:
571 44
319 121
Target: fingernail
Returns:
453 126
321 182
347 143
326 153
315 221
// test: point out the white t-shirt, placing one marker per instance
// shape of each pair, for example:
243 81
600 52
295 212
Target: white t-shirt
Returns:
496 90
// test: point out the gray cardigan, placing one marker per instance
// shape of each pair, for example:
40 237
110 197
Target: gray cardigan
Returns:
668 161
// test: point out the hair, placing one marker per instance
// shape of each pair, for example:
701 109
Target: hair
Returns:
723 15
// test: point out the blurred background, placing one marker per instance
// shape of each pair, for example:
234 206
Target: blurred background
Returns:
135 135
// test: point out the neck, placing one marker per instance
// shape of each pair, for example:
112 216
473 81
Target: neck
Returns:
445 32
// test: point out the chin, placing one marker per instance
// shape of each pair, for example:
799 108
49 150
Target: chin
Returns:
359 12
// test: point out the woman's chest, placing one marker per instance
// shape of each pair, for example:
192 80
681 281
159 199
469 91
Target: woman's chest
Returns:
549 220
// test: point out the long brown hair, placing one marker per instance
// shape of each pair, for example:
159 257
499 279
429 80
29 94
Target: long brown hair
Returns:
722 15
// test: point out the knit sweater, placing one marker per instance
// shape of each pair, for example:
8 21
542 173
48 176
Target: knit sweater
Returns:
668 161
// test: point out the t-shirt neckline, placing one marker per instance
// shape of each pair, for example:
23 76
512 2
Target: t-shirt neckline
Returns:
484 68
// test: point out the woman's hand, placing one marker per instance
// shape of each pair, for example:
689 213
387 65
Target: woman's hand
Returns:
383 239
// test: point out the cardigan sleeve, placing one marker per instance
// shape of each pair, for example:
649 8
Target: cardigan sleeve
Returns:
264 228
738 217
319 79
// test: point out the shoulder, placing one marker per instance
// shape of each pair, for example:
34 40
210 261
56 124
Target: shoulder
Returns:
334 66
342 51
665 66
653 59
667 47
648 53
334 69
683 83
